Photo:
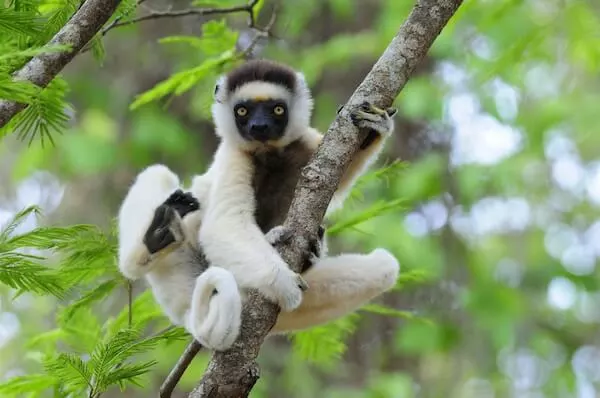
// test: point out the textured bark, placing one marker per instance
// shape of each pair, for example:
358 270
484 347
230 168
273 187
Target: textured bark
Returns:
80 29
233 373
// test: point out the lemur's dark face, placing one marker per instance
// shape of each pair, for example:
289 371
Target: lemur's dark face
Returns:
261 120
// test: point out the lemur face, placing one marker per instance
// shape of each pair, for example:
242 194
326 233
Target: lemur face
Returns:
261 104
261 120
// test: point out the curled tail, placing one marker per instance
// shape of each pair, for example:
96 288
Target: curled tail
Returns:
215 314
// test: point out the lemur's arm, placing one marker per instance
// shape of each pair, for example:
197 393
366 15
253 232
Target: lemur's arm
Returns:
231 238
381 125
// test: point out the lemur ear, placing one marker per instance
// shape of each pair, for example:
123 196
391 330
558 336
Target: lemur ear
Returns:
302 85
220 89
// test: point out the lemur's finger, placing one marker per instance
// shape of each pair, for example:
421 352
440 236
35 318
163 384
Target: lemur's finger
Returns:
302 284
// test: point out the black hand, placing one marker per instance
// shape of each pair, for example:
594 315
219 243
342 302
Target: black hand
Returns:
158 236
182 202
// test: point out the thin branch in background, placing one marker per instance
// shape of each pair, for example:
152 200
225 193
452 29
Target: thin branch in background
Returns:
118 19
249 8
260 33
167 387
130 303
118 22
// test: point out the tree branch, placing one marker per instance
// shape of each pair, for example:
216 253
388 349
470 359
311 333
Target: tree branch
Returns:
167 387
41 69
233 373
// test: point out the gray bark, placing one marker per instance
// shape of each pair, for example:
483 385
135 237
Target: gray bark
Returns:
80 29
233 373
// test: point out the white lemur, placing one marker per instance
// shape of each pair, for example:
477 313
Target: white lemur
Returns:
261 112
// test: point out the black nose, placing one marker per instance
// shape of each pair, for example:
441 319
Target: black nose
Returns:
258 128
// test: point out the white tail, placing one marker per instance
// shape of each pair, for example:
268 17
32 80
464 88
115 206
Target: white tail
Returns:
215 314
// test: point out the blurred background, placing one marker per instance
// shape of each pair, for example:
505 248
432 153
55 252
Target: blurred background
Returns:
492 209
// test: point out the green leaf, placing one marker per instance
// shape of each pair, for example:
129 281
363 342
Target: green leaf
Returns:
24 273
181 81
33 51
127 373
323 344
60 12
8 229
144 310
95 294
26 383
19 91
382 310
45 114
98 50
47 237
24 23
70 368
377 209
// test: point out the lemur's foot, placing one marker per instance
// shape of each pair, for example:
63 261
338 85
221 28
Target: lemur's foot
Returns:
315 250
378 121
165 228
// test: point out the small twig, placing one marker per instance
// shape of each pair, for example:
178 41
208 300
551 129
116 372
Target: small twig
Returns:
130 303
249 8
260 34
118 22
167 387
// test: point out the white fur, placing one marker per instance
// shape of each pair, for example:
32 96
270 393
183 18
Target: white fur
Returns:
338 286
171 273
231 238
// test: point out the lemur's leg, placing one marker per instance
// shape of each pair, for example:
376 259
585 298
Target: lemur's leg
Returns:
166 227
340 285
151 188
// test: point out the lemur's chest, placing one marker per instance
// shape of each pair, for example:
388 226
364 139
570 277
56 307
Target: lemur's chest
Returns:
275 176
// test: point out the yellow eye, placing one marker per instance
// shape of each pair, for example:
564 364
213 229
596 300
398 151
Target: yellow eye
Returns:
278 110
241 111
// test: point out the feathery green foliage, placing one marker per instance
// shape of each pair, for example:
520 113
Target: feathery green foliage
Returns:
23 271
81 355
217 44
324 344
44 116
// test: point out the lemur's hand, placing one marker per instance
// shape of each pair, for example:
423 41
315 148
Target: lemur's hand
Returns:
165 228
182 202
287 286
378 121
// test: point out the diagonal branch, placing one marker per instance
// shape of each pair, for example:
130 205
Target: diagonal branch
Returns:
233 373
41 69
